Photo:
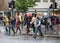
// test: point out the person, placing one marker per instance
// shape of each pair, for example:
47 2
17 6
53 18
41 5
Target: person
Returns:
22 19
18 24
59 20
14 22
4 23
32 22
20 15
54 21
7 23
11 24
37 24
27 23
46 24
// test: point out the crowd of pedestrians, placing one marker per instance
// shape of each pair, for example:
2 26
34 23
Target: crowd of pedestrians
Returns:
27 21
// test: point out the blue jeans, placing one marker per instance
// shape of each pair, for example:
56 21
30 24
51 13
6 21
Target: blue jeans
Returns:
6 30
36 30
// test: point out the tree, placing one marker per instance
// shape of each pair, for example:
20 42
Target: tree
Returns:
59 10
22 5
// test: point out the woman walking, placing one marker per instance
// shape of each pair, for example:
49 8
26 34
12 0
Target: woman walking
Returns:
18 24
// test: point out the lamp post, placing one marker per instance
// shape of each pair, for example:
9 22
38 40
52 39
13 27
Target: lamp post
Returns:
35 11
53 7
12 8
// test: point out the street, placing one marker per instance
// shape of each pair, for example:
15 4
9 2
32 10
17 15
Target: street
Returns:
26 39
29 21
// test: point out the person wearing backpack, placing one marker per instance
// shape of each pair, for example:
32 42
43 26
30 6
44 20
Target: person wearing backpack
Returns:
37 25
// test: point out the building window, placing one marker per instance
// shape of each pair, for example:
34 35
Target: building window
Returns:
38 0
45 0
52 0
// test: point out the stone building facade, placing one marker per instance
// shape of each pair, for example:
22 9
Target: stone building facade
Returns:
3 5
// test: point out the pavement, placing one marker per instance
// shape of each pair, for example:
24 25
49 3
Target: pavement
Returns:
23 32
26 38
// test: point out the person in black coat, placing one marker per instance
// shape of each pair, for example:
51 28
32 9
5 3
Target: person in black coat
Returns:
11 24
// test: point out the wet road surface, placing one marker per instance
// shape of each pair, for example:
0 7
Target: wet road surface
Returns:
26 39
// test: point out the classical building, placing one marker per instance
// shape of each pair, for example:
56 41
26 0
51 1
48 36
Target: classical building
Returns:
3 5
43 5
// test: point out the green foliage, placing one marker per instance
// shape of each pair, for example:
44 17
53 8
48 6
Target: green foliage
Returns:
58 10
52 0
31 3
23 5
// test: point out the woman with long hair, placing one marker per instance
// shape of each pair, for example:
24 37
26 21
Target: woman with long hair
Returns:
18 24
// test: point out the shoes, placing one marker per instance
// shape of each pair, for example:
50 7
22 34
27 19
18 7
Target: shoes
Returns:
14 33
34 37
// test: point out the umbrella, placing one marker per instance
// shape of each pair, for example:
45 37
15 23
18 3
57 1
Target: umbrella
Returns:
29 14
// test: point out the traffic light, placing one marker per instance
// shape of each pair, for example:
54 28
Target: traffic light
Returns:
12 3
9 5
51 6
54 5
